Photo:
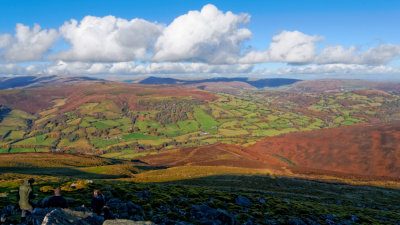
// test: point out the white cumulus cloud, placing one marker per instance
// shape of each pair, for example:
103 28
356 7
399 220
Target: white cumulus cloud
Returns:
299 48
334 70
88 68
378 55
287 46
5 40
27 44
107 39
209 35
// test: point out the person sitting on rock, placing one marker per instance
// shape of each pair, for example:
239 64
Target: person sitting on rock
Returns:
98 202
57 201
25 197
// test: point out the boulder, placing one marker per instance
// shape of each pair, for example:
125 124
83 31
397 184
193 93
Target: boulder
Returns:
143 194
205 214
53 216
127 222
114 203
243 201
296 221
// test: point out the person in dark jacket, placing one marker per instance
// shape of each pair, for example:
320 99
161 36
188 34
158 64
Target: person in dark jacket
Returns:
57 201
98 202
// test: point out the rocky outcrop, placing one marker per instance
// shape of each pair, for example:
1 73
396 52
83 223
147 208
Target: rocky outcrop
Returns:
53 216
243 201
208 215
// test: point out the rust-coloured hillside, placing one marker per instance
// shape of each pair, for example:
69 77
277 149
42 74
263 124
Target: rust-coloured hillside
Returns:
368 150
37 99
212 155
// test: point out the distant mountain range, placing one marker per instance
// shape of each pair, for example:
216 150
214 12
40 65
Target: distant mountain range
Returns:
260 83
40 81
217 84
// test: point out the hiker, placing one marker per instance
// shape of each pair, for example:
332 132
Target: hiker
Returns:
98 202
25 196
57 201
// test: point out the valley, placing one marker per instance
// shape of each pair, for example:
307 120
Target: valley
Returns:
281 148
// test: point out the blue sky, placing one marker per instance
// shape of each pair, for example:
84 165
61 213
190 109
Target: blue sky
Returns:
364 25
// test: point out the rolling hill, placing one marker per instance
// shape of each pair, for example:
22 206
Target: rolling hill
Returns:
341 85
367 149
257 83
125 120
212 155
43 80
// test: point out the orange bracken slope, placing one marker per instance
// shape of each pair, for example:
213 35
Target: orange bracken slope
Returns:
368 149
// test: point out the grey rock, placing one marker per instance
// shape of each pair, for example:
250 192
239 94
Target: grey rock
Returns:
179 200
164 209
311 222
243 201
115 203
262 201
143 194
296 222
205 221
127 222
382 218
82 209
8 210
206 215
354 218
66 216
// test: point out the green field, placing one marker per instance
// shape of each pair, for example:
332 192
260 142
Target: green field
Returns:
168 122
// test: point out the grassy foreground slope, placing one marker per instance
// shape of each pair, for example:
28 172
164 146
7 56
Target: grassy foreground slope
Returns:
273 198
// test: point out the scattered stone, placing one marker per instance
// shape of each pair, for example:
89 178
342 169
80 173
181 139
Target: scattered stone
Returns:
311 222
8 210
108 194
176 201
114 202
243 201
262 201
82 209
143 194
382 218
329 216
205 214
164 209
127 222
53 216
329 221
354 218
296 222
